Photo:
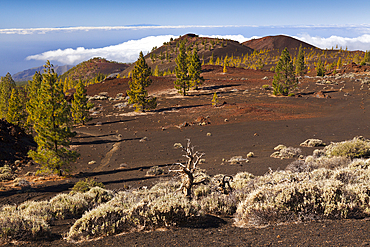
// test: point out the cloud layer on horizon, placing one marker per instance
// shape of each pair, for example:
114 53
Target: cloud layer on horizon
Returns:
364 28
129 51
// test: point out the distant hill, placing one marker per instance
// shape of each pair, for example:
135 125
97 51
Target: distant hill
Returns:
278 43
164 56
92 68
27 75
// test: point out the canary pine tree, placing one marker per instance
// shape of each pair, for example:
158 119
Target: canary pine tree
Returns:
80 105
140 79
16 113
182 83
33 90
6 85
299 62
284 79
320 68
52 126
195 69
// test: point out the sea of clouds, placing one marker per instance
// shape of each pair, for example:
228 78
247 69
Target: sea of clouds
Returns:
128 51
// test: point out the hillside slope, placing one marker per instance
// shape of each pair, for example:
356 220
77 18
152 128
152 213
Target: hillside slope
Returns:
164 57
92 68
27 74
278 42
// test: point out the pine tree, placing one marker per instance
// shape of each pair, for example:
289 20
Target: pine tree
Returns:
80 105
320 69
210 62
182 83
139 81
339 63
195 69
284 79
366 59
299 62
52 126
156 71
16 111
6 85
224 70
215 99
33 90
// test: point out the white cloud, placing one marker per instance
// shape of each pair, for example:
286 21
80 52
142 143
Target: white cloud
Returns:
240 38
129 51
358 43
106 28
124 52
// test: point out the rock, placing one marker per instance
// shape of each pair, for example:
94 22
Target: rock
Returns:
119 106
98 124
286 153
279 147
155 171
250 155
209 134
30 174
122 165
184 124
144 139
177 145
312 143
237 160
92 162
103 94
321 95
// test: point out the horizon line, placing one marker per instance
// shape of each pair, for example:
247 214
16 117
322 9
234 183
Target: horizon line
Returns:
43 30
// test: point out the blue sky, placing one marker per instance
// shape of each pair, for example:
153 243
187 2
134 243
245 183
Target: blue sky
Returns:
41 13
23 44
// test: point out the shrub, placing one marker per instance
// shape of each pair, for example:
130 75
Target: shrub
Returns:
155 171
220 204
85 185
129 215
6 173
286 153
288 202
312 143
355 148
30 219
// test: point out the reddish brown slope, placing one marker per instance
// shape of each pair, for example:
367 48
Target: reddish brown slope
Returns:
206 47
278 43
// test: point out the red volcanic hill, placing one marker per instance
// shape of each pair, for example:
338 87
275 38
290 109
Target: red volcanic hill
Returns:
91 68
164 57
278 42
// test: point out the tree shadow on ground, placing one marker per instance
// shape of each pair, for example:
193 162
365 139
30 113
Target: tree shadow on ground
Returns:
204 222
219 86
92 136
176 108
93 174
103 141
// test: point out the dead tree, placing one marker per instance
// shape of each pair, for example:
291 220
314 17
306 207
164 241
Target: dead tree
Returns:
187 171
222 185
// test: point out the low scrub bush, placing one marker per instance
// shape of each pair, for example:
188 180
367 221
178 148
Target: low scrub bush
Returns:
286 152
356 148
126 214
320 194
85 185
30 219
6 173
